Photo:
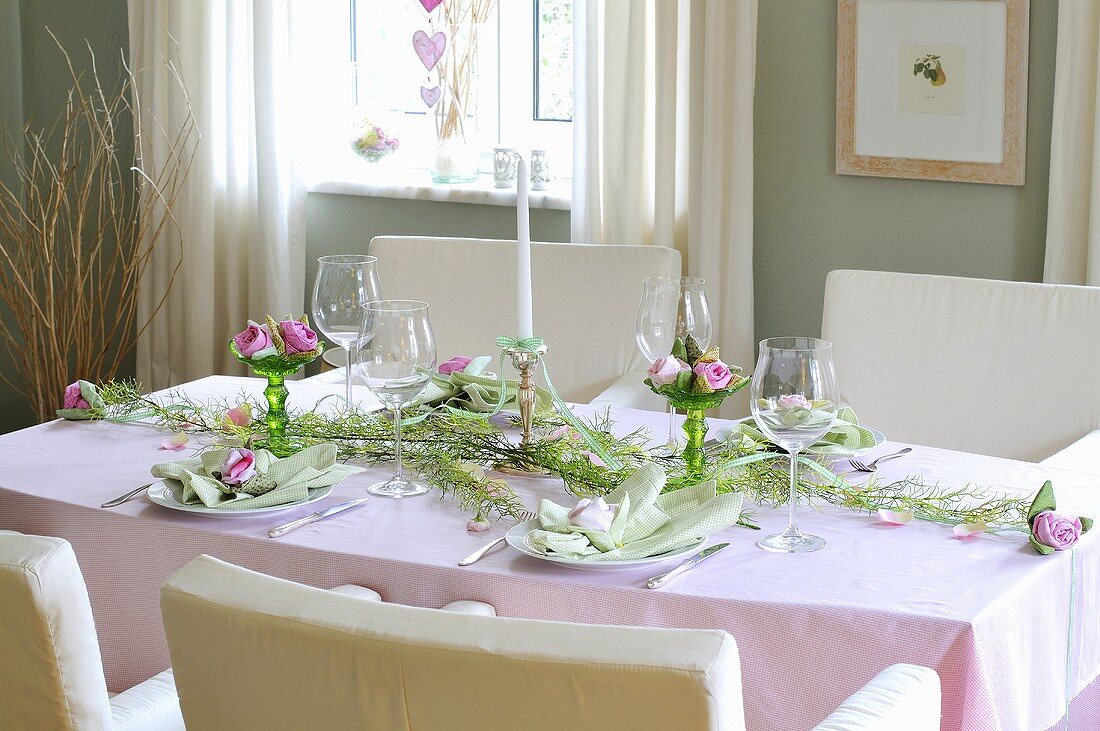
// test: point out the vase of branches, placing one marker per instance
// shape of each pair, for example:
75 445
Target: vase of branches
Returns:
88 207
457 155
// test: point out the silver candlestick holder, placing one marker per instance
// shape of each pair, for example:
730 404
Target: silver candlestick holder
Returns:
526 362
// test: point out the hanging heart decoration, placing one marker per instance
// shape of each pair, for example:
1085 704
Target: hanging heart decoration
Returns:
430 96
430 5
430 50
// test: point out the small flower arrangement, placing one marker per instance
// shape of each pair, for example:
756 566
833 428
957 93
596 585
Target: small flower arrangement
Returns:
1049 531
372 143
82 402
456 364
289 341
691 371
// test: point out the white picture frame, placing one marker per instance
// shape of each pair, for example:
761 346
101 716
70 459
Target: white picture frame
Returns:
933 89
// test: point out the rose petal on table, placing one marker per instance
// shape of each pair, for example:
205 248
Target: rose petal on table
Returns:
477 526
895 517
595 459
239 415
966 530
558 433
175 443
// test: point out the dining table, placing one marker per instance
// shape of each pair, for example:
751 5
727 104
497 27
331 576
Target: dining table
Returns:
1014 635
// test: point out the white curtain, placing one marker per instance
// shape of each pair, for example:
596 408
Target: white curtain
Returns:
241 215
1073 209
663 111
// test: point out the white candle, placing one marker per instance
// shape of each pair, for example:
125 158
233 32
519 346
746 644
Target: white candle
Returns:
523 257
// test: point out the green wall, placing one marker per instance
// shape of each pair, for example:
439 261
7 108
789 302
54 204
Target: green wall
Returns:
809 220
11 83
13 411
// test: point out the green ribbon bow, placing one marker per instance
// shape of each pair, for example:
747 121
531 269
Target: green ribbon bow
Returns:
529 344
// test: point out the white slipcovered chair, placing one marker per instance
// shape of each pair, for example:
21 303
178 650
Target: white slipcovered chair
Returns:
254 652
992 367
585 303
51 676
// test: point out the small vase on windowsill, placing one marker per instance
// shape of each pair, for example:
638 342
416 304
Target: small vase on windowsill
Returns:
456 161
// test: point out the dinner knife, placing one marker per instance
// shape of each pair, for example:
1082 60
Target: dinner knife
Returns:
661 579
282 530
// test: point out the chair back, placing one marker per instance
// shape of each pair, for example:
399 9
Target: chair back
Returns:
585 299
992 367
255 652
51 675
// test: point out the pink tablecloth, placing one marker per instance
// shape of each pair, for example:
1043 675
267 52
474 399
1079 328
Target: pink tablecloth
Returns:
989 614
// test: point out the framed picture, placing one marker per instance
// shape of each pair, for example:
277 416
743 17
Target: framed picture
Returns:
933 89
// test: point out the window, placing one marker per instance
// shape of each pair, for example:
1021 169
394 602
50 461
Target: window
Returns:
523 69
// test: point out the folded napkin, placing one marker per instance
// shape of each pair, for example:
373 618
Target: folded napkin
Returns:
845 436
277 481
645 523
472 389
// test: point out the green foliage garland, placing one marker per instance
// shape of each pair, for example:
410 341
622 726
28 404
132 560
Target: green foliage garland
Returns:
444 447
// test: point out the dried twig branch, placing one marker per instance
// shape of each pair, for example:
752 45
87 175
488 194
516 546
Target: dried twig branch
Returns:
79 228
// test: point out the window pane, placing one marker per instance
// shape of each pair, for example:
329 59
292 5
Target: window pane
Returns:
554 60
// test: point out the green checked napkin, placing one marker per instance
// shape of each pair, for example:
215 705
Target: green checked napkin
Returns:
469 390
277 481
845 436
647 523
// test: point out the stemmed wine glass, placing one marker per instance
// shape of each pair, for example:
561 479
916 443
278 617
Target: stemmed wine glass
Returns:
692 318
655 328
396 359
794 402
345 284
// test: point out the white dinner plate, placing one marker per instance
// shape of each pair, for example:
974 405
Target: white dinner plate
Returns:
517 539
841 454
167 493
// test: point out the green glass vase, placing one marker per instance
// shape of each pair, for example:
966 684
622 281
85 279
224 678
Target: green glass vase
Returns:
695 428
275 369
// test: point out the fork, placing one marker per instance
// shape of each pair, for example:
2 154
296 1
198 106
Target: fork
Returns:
872 466
479 554
128 496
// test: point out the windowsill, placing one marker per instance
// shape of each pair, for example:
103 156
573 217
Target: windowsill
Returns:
416 184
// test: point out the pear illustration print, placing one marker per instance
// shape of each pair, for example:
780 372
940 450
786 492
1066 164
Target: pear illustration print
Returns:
931 68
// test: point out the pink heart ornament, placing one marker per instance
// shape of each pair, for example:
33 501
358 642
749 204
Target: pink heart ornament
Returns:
430 50
430 5
430 96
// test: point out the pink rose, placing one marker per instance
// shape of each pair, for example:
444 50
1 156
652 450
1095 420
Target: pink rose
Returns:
239 415
718 374
793 400
73 398
239 466
1057 531
299 338
254 338
477 526
456 364
593 514
664 370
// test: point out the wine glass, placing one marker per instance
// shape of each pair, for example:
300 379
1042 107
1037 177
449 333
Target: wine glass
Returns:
692 318
396 359
794 402
655 328
345 284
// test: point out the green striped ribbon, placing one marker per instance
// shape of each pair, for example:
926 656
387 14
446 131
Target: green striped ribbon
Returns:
139 415
813 465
